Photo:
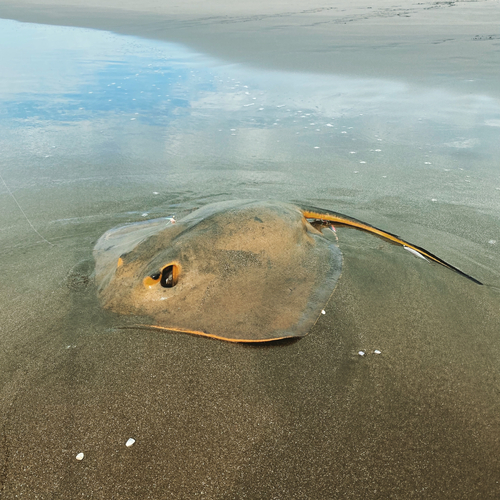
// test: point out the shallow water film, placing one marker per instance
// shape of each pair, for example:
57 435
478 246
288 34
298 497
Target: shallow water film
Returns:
394 393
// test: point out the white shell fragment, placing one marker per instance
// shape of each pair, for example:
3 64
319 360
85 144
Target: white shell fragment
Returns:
323 311
130 442
414 252
80 456
361 353
376 351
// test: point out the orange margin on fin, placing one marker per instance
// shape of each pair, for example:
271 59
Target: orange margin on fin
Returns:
210 335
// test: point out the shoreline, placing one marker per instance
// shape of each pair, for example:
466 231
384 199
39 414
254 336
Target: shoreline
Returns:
416 43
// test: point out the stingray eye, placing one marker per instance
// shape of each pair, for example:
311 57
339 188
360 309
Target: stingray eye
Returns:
169 276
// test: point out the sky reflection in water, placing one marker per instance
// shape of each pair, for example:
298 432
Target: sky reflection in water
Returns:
78 105
62 74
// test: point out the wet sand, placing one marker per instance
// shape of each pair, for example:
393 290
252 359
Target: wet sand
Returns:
296 419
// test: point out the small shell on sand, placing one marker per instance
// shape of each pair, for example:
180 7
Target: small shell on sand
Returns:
376 351
80 456
130 442
361 353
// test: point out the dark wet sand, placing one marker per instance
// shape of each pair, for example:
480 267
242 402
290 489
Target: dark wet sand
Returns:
297 419
301 419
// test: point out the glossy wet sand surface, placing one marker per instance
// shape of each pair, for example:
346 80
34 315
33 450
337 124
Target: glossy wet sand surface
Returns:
298 419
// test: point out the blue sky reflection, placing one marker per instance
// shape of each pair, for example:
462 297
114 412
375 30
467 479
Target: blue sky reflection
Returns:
93 74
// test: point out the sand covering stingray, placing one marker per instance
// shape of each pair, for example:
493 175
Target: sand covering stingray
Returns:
245 271
239 270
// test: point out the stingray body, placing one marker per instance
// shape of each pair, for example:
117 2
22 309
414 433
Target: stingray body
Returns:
240 270
243 271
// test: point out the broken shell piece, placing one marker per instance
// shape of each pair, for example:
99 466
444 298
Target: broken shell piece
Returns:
323 311
376 351
130 442
80 456
361 353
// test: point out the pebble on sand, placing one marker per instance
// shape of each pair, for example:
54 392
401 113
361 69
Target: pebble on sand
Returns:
80 456
130 442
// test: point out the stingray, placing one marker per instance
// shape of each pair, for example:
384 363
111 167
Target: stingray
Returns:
242 271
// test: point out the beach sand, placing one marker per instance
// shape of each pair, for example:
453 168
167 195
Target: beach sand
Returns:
307 419
297 419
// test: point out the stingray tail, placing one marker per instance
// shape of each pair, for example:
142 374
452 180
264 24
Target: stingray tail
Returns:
326 215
